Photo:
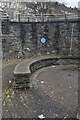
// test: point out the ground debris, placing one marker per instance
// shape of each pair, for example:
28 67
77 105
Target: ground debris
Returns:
41 116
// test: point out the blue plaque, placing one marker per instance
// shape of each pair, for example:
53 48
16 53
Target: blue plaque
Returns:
43 40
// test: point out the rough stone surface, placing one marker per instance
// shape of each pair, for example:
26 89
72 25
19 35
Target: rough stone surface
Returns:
26 38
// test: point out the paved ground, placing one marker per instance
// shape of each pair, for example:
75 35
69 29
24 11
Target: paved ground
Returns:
6 75
7 72
54 94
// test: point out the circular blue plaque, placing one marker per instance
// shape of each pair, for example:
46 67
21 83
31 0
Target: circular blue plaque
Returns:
43 40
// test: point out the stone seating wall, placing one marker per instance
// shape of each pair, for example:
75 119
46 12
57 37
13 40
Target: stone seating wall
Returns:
23 80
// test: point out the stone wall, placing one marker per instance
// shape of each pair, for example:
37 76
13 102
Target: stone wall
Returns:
24 38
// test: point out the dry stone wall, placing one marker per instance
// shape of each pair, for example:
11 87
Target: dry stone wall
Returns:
23 38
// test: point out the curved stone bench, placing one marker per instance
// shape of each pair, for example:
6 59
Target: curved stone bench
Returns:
23 70
25 67
42 63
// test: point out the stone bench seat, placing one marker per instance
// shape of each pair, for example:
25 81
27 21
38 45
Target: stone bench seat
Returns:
25 67
23 70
